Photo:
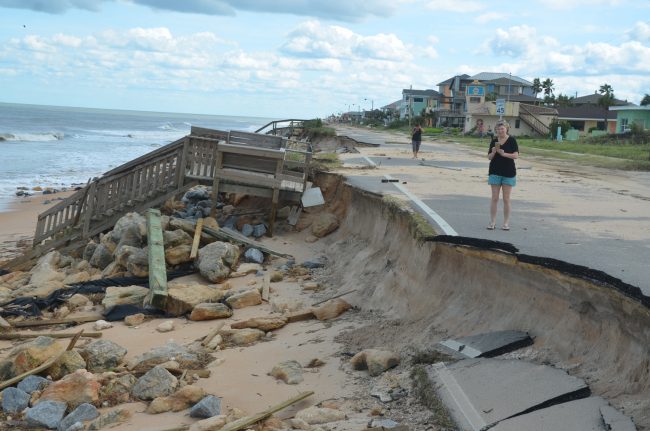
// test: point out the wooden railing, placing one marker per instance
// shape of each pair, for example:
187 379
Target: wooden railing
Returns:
278 126
532 121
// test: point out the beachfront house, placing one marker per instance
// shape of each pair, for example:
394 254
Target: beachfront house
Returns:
416 102
586 118
630 114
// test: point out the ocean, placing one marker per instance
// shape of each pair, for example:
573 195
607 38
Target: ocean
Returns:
52 146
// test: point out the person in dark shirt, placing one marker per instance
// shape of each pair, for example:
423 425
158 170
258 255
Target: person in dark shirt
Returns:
416 140
503 174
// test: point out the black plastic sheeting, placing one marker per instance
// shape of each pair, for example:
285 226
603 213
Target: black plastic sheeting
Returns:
32 307
593 275
3 272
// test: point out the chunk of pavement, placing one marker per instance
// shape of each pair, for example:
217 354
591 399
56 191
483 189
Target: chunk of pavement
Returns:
320 415
160 355
215 260
331 309
243 299
33 383
485 345
254 255
84 412
110 418
182 399
102 355
241 337
375 361
166 326
182 298
69 362
210 311
14 400
74 389
120 295
288 371
157 382
324 224
268 323
208 407
259 230
213 423
134 319
46 413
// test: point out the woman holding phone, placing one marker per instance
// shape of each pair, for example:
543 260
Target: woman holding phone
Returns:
503 174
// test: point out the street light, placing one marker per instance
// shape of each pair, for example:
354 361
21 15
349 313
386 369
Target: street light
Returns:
372 104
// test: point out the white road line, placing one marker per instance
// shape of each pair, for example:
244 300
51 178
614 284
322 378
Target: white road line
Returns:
370 162
446 228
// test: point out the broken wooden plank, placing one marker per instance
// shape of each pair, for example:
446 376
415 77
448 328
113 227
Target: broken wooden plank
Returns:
157 296
25 335
250 420
49 322
231 235
212 334
197 238
266 286
294 214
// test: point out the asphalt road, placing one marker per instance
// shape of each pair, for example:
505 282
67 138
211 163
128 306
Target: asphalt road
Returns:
536 233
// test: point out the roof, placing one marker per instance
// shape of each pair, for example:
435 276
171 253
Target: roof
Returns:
428 92
630 108
396 104
449 81
584 112
493 76
521 98
539 110
592 99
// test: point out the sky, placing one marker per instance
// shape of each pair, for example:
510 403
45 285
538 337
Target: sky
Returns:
308 58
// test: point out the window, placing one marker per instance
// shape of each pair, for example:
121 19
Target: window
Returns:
418 99
517 123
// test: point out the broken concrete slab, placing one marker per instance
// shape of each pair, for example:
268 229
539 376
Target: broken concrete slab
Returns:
485 345
482 392
583 414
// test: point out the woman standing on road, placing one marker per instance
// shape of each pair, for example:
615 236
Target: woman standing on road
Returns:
503 174
416 140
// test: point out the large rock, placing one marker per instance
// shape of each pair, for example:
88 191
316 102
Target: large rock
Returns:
319 415
138 263
241 337
243 299
134 319
102 355
324 224
110 418
331 309
117 390
289 372
33 383
179 254
45 270
120 295
215 260
14 400
182 399
375 361
210 311
206 408
130 229
157 382
182 298
76 278
69 362
46 413
123 252
210 424
29 356
254 255
265 324
102 256
74 389
89 250
168 352
176 237
84 412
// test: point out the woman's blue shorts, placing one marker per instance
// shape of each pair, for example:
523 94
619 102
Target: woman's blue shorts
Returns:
497 180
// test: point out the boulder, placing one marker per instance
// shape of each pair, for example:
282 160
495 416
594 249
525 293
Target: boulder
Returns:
130 224
157 382
119 295
130 236
33 383
79 277
182 399
243 299
375 361
123 252
241 337
110 418
74 389
265 324
331 309
77 301
69 362
14 401
206 408
102 355
102 257
117 390
176 237
324 224
210 311
289 372
138 263
254 255
247 229
210 424
134 319
29 356
319 415
47 414
215 260
259 230
45 270
84 412
182 298
89 250
195 194
179 254
166 326
160 355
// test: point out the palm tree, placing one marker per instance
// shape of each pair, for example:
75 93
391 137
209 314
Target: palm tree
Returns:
646 100
537 86
548 86
606 100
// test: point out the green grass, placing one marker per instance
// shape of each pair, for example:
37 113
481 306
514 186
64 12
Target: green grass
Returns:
325 161
426 395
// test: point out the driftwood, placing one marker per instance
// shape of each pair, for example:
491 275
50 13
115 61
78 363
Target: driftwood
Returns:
212 334
333 297
44 366
157 296
24 335
197 238
67 320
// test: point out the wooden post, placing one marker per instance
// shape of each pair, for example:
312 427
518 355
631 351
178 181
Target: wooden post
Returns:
197 238
276 195
157 295
90 205
218 164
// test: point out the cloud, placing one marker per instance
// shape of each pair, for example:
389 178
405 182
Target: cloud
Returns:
573 4
490 16
455 6
640 32
342 10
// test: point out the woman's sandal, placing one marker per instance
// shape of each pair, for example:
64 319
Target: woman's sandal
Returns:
491 226
505 227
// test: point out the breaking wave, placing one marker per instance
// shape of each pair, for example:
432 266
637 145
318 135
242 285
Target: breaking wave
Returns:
32 137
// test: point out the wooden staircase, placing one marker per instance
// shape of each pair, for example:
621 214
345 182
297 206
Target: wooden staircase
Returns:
532 121
232 161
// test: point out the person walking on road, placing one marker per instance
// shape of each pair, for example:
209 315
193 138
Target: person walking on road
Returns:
502 174
416 140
